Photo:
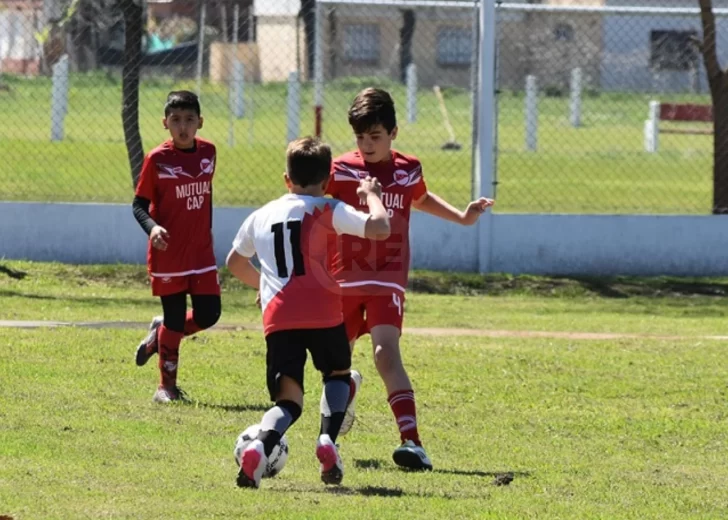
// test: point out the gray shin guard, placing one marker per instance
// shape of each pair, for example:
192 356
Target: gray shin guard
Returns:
335 397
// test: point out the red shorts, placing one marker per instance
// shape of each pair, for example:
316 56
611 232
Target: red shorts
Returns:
204 283
366 307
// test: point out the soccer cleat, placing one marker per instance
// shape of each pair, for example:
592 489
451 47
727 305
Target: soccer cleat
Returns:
166 395
252 465
411 456
332 468
148 347
350 414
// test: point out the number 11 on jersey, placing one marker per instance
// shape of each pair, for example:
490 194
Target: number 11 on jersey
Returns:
294 227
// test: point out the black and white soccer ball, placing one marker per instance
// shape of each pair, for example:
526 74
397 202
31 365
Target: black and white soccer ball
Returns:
277 459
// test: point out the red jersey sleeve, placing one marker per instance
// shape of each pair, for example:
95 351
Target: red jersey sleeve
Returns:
146 186
419 188
332 188
214 158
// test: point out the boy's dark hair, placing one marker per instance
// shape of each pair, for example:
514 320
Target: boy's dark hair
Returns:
308 161
182 100
371 107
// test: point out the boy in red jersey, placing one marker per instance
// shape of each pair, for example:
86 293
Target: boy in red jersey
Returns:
173 204
300 300
373 274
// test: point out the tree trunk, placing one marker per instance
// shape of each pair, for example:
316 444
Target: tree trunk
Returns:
308 14
720 148
133 30
718 81
409 20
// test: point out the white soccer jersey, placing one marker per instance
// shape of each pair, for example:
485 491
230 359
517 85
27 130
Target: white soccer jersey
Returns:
292 237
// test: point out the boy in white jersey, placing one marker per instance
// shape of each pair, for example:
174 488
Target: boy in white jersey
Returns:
301 301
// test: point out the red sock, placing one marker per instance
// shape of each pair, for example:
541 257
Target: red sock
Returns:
403 407
169 341
190 326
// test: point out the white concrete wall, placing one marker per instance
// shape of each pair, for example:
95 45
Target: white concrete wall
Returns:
610 244
90 233
538 244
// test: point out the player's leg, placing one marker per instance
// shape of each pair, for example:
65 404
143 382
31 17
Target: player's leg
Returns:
285 361
205 313
206 308
206 304
355 324
384 317
160 287
331 354
333 406
274 424
334 400
170 335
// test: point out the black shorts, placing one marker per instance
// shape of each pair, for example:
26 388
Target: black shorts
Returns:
286 353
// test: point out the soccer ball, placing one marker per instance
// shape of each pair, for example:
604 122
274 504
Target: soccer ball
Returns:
277 458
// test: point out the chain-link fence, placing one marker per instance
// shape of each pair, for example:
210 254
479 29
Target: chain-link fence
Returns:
578 126
62 137
576 129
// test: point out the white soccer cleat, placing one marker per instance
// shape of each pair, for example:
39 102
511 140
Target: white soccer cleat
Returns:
350 414
252 465
332 468
166 395
411 456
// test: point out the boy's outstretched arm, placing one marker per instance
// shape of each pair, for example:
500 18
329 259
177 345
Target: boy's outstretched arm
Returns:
242 268
434 205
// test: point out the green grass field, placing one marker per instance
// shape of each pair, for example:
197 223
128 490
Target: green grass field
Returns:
599 168
630 427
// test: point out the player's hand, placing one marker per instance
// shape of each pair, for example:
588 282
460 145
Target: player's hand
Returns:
159 237
475 209
367 186
257 299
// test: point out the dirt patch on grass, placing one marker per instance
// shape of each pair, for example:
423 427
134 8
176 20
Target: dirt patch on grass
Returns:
415 331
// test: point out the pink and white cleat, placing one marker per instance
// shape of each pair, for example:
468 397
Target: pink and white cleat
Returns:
332 468
252 465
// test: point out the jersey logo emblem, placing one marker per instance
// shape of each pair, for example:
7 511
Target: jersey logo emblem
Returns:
401 177
207 166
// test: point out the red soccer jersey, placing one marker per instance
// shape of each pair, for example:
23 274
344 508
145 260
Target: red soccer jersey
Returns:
356 261
290 237
179 186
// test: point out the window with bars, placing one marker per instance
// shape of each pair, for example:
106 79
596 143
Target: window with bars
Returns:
674 50
454 46
361 43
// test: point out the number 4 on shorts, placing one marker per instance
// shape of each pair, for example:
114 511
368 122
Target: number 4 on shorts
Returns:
397 302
